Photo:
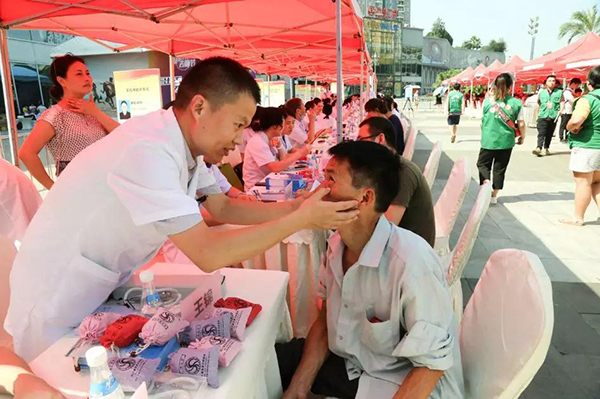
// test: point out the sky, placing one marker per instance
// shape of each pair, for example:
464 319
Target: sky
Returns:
508 19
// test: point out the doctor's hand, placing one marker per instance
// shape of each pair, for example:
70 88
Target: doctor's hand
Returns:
324 215
87 107
28 386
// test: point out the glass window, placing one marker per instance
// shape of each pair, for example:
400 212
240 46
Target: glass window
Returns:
19 34
26 86
46 84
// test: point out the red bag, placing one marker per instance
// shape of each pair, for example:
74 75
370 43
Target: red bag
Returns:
238 303
124 331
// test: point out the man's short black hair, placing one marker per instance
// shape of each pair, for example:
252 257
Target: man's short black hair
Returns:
218 79
456 86
309 105
575 81
578 90
389 102
376 105
317 100
270 117
371 166
594 77
293 105
378 125
550 76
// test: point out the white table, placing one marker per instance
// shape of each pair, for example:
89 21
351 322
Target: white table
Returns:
253 374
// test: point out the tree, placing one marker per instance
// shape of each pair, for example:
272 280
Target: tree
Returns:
445 75
498 46
581 22
438 29
474 43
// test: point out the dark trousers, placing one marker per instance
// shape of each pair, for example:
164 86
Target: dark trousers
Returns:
332 379
545 129
563 132
496 160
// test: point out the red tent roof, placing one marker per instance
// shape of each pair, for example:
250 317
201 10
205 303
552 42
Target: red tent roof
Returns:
458 77
542 66
476 73
258 33
511 66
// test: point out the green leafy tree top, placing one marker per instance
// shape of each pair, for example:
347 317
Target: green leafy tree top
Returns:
581 22
438 29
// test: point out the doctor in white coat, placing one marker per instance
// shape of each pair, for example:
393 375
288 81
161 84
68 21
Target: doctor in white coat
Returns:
122 197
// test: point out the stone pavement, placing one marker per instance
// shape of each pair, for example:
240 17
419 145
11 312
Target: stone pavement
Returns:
536 193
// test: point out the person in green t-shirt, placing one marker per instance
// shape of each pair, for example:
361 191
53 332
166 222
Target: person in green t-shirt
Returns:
584 140
456 106
502 122
549 100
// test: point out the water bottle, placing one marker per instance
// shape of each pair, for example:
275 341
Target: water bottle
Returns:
150 299
103 384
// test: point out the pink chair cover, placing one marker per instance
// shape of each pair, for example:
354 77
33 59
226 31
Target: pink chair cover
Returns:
507 326
433 163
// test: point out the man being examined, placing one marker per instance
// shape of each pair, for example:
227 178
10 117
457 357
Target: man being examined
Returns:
412 208
386 318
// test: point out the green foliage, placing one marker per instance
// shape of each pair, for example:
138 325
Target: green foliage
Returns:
438 29
445 75
581 22
474 43
493 45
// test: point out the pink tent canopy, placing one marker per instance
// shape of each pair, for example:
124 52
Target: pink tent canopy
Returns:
511 67
578 65
258 33
540 67
497 64
458 78
477 73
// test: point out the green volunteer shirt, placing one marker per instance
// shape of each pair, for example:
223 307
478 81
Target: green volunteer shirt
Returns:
544 98
455 101
495 133
415 195
589 135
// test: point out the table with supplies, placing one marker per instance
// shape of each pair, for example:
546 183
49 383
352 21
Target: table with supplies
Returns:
253 373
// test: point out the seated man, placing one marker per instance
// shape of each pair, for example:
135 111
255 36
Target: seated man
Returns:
386 328
412 209
377 107
265 153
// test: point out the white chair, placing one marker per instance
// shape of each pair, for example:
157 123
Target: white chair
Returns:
405 127
433 163
458 258
448 205
8 252
507 326
409 148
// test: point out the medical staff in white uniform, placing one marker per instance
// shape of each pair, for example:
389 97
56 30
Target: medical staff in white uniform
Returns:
123 196
301 134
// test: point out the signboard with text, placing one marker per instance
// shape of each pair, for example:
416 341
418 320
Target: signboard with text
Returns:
138 92
380 12
272 93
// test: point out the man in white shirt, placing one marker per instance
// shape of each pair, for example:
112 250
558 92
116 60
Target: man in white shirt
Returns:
265 153
567 108
386 329
126 194
301 134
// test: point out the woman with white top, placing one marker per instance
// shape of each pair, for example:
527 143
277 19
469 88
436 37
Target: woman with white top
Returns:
68 127
265 153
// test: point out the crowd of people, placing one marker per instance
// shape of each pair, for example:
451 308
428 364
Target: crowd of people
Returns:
121 195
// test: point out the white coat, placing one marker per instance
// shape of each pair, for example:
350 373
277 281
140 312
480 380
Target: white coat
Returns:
96 227
19 201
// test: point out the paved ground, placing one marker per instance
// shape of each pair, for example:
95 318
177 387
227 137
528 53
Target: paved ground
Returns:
537 192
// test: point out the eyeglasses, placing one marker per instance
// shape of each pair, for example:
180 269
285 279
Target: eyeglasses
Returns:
367 138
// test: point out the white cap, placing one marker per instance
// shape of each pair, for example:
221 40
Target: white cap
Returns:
96 356
146 276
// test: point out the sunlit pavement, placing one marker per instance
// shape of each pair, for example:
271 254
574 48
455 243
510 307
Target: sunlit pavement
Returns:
537 192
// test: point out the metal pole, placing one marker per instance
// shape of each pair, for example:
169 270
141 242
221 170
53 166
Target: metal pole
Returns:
362 78
172 75
269 88
9 101
338 40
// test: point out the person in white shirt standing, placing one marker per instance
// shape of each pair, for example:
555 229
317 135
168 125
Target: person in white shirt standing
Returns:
123 196
386 328
567 110
265 152
301 134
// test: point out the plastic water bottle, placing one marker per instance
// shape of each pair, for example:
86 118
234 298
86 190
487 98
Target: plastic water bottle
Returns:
103 384
150 299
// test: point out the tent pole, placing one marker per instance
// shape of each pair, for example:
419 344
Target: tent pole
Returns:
362 78
9 101
338 40
269 88
172 76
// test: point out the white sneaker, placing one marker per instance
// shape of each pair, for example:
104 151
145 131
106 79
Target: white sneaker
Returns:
494 201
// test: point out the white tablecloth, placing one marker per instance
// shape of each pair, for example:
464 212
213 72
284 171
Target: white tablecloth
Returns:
253 374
